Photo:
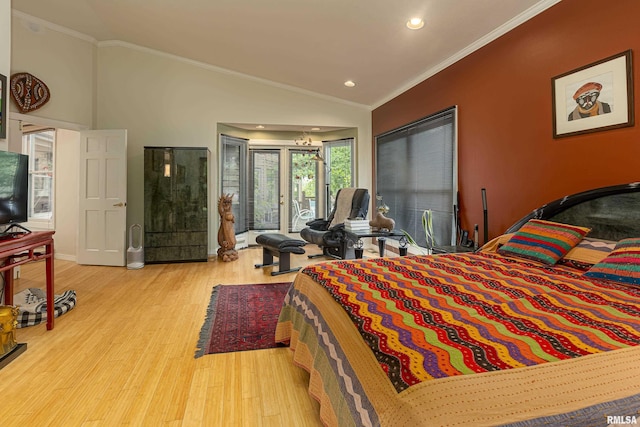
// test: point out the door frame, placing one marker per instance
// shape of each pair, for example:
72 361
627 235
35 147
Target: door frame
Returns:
66 214
285 216
285 148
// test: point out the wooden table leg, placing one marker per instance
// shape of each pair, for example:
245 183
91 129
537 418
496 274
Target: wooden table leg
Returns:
8 286
50 287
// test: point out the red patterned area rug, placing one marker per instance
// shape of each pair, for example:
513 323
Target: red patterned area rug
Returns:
242 317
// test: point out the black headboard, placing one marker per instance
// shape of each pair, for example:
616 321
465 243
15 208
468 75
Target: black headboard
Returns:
612 213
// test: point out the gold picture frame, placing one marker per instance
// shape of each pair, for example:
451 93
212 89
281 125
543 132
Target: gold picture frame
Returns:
595 97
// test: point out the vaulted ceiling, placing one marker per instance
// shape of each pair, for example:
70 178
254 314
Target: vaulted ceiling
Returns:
308 45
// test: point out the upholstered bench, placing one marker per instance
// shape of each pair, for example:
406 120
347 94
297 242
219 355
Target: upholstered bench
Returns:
280 246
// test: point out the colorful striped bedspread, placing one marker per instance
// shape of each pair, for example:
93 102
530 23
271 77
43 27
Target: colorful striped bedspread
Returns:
429 318
434 317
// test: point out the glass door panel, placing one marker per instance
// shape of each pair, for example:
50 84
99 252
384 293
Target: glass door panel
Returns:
265 189
303 189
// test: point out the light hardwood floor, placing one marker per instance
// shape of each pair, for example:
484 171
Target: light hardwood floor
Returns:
125 354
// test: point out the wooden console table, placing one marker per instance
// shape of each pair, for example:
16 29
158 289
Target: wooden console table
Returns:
21 250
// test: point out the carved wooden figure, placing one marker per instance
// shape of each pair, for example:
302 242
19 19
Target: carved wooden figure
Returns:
226 234
382 223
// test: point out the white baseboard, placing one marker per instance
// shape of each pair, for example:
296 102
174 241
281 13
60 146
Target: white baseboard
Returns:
65 257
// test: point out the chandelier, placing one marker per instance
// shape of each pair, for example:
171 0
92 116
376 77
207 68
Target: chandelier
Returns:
304 139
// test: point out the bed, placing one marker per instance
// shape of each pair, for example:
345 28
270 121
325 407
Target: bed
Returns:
497 337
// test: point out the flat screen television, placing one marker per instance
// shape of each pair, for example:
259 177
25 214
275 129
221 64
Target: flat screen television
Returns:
14 190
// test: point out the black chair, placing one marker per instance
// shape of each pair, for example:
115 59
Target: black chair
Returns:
329 233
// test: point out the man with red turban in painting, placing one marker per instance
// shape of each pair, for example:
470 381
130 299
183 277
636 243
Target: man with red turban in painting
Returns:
587 99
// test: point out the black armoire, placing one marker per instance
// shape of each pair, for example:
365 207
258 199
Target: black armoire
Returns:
176 204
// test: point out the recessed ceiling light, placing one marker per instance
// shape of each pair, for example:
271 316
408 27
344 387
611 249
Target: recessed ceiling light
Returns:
349 83
415 23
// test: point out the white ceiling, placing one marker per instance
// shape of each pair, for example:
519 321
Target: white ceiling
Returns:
308 45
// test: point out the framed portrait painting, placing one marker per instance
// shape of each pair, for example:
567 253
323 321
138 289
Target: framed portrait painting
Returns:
4 93
593 98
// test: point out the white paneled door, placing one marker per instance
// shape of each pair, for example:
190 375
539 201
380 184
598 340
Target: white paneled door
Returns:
102 225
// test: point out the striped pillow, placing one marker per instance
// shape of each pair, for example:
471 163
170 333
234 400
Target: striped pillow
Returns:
588 252
543 241
622 265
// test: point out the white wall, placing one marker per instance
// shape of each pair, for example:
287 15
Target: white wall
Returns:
64 61
5 56
163 100
66 203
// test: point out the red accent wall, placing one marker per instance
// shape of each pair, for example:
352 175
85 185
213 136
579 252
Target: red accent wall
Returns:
505 128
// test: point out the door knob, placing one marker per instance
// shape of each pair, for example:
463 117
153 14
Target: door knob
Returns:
120 204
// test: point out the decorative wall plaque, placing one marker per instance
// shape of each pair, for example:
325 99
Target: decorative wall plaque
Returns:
28 92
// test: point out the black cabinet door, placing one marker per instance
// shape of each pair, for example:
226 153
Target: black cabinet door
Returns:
175 204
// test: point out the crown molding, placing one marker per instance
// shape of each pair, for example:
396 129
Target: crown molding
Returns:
34 24
500 31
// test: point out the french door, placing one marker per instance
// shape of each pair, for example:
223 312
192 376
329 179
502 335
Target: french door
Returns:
283 189
265 190
303 179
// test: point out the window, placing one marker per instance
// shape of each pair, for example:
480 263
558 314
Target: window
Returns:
416 170
39 146
339 162
234 177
